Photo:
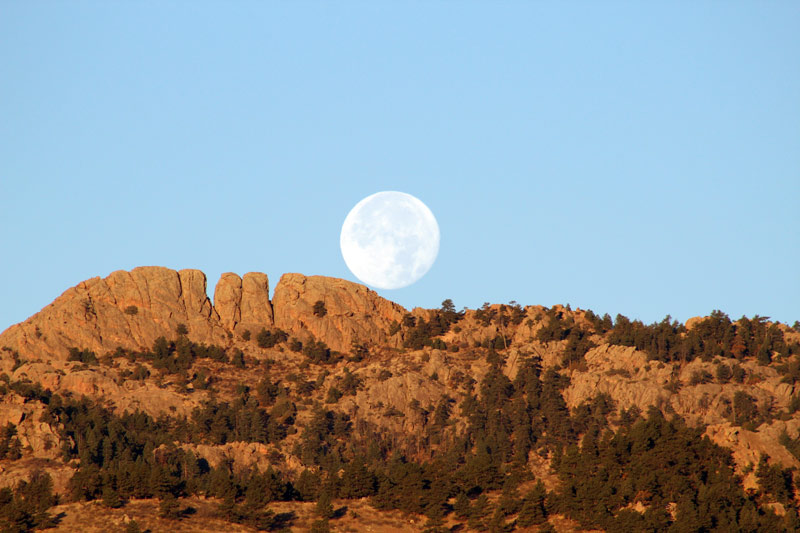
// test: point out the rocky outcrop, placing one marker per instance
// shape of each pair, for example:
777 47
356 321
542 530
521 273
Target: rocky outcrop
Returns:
748 446
100 382
126 309
228 299
132 309
243 303
38 438
256 309
352 312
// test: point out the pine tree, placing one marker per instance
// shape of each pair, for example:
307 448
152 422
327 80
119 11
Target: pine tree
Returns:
256 492
357 480
497 524
111 497
220 483
324 508
227 508
169 508
307 485
461 506
532 511
479 510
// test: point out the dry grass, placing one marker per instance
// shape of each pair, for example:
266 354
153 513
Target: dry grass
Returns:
93 517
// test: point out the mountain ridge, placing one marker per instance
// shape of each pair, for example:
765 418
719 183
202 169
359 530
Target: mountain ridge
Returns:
151 340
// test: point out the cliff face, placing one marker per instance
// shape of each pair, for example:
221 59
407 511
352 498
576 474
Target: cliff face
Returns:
132 309
352 312
243 303
126 309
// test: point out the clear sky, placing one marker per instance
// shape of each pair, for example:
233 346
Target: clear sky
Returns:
640 158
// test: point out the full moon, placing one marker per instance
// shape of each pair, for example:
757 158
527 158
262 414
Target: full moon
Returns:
389 240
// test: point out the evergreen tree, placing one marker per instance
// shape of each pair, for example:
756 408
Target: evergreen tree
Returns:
357 480
461 506
111 497
307 485
324 507
169 508
532 510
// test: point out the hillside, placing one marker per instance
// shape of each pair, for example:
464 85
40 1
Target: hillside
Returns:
144 404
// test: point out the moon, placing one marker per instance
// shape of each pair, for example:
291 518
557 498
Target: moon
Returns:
389 240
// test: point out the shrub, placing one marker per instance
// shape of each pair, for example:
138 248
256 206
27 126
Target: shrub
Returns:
268 339
358 352
182 329
624 372
84 356
140 373
438 344
246 335
737 373
319 309
237 359
131 310
723 373
350 383
699 377
318 352
334 395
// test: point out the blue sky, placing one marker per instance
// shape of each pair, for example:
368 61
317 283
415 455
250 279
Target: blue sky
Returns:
628 157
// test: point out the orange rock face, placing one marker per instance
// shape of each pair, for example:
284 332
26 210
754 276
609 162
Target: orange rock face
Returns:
243 303
127 309
353 313
132 309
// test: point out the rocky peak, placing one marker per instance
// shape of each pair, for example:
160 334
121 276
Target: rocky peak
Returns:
349 312
127 309
243 303
132 309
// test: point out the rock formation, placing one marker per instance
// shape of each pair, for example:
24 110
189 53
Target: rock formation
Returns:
132 309
243 303
352 312
126 309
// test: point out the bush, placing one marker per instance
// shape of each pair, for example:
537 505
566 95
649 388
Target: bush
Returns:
131 310
745 409
319 309
350 383
334 395
737 373
318 352
724 373
268 339
699 377
182 329
237 359
84 356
